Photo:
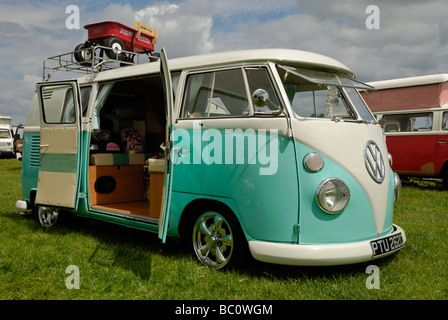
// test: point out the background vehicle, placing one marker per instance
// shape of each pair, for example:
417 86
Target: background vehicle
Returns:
414 114
6 137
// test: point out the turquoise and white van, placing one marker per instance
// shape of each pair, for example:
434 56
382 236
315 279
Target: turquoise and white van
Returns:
269 153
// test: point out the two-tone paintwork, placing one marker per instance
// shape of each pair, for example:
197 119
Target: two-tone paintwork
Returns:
278 213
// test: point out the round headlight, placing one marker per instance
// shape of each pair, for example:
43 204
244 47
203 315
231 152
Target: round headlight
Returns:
333 195
313 162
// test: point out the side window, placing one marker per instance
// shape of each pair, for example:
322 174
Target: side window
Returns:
225 93
445 121
216 94
413 122
58 104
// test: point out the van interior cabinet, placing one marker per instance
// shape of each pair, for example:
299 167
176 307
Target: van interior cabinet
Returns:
123 188
129 184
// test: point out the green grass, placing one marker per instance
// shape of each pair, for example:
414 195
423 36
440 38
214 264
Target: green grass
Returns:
120 263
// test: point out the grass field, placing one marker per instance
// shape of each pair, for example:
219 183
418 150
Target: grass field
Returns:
119 263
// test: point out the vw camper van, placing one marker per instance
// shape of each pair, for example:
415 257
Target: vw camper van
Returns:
414 113
266 153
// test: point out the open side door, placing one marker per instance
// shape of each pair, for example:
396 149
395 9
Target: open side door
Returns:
169 102
58 179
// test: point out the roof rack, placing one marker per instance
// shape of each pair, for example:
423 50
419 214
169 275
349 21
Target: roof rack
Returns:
92 60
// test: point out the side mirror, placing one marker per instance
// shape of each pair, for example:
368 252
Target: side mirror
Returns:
260 97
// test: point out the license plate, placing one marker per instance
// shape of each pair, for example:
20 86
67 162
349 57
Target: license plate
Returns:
387 244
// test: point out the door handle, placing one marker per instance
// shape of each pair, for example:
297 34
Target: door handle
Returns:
181 152
442 142
44 145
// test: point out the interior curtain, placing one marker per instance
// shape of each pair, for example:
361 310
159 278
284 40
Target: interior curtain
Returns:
103 93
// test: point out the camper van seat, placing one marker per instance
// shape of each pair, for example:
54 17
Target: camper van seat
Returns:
118 159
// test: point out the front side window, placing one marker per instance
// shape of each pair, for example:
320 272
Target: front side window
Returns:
215 94
224 93
412 122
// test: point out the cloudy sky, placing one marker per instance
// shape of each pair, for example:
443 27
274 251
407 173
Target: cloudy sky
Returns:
411 39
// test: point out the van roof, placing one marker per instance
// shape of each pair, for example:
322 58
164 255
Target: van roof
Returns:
410 81
286 56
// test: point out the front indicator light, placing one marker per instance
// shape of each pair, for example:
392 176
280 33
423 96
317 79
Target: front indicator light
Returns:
332 195
313 162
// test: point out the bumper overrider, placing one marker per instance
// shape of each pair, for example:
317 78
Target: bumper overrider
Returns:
328 254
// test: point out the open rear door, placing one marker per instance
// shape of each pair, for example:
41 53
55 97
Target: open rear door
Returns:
58 179
169 101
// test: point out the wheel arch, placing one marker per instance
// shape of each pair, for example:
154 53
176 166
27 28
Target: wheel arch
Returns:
444 175
191 211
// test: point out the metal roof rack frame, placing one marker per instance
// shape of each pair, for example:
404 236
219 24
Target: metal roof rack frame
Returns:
99 61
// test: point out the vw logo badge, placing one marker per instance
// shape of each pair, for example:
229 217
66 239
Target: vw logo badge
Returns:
374 162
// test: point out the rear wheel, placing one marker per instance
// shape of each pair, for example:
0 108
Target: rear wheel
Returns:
47 217
217 239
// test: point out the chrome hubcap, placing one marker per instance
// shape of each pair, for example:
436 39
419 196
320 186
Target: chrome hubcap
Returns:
48 216
213 240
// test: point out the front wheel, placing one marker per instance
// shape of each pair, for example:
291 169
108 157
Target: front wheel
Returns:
217 240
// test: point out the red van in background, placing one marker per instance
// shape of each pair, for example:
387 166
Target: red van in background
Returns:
414 112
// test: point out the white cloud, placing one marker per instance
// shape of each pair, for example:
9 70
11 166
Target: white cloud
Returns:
184 28
29 13
156 10
412 39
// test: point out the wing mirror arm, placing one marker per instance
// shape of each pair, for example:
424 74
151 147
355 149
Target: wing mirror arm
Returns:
260 98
